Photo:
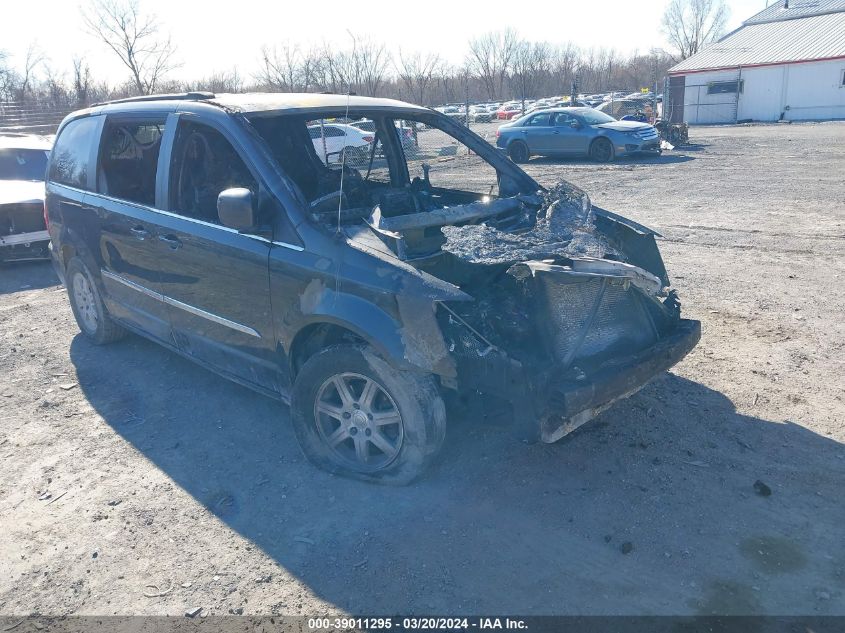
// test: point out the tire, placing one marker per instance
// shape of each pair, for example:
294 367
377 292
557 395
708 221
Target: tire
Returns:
337 433
675 136
601 150
519 152
88 309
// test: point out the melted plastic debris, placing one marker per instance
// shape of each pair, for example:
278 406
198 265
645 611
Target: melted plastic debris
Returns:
563 228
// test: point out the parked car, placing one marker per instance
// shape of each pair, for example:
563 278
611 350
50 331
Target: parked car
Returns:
212 225
481 114
23 164
576 132
407 133
330 140
508 111
454 112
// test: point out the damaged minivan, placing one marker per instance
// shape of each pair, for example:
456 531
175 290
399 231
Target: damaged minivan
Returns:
363 280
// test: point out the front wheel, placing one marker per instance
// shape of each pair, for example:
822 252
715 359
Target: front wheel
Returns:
357 416
601 150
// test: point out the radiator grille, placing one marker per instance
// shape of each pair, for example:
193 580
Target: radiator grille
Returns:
594 319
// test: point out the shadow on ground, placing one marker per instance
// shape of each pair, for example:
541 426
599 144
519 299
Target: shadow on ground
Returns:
17 276
651 508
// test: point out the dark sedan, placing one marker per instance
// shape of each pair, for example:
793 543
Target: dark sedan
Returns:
576 132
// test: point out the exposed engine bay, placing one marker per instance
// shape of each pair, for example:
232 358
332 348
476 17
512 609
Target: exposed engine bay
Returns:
558 296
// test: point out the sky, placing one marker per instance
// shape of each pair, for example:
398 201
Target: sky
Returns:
216 36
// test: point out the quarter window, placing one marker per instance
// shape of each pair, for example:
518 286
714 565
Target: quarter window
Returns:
129 160
72 151
204 164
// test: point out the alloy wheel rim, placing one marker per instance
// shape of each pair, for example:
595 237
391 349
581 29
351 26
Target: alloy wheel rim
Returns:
84 298
358 421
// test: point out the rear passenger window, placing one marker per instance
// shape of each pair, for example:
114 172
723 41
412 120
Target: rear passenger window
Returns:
204 164
540 119
72 151
129 160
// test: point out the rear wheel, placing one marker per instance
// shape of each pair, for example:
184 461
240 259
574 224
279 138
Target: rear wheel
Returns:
601 150
355 415
518 152
90 313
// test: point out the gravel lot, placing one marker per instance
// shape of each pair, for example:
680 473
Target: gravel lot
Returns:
133 482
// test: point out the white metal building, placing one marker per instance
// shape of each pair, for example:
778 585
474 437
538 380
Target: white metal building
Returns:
785 63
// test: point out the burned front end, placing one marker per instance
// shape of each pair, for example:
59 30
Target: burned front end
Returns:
571 306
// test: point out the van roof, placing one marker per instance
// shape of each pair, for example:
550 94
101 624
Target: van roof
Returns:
257 102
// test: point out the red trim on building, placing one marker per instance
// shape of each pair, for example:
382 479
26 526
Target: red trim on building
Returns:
737 67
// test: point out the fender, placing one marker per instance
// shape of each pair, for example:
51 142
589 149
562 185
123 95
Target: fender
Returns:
409 340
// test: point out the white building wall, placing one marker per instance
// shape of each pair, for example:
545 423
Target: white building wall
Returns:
801 92
762 93
700 107
814 91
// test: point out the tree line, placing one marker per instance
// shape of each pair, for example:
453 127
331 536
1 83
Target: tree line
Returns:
498 65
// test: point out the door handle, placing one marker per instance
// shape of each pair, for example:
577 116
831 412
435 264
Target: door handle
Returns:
171 240
555 132
139 232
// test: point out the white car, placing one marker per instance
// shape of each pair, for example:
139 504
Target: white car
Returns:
330 139
23 163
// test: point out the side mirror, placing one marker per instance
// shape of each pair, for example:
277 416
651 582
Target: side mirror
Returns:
234 208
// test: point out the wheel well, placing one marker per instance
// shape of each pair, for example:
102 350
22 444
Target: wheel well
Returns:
312 338
68 251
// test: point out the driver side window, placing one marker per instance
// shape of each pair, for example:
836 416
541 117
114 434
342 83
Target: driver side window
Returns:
562 120
203 164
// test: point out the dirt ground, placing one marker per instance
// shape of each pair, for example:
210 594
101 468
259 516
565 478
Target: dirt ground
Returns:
133 482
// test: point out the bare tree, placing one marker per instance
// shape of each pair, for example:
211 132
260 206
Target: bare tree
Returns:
417 73
34 58
531 65
490 58
220 81
7 78
81 81
690 24
135 38
371 61
280 67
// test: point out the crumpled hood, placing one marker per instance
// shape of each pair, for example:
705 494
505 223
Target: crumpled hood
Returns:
624 126
17 191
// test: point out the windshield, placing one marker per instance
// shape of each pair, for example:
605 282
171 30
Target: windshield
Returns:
23 164
594 117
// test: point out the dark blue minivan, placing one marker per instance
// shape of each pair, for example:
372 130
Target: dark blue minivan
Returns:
362 284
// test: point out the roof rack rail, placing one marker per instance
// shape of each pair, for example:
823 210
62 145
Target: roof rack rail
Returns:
181 96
